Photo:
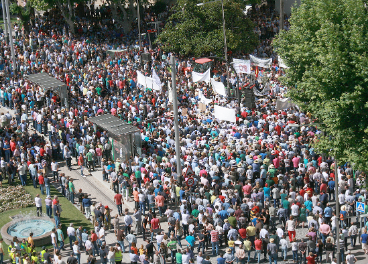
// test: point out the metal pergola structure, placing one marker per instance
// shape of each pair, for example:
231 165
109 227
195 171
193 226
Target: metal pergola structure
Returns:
126 138
47 82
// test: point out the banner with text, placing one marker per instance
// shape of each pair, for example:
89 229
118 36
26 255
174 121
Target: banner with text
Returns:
264 63
241 66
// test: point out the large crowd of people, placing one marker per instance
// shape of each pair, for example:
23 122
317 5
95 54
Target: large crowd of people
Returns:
256 181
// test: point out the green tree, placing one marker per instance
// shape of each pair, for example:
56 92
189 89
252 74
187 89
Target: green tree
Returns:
326 50
27 13
197 30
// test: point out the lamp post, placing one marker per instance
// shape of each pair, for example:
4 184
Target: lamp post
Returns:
139 26
225 43
176 121
337 214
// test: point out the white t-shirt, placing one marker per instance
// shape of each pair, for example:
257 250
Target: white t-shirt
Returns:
53 238
159 239
290 225
54 166
70 231
38 202
294 210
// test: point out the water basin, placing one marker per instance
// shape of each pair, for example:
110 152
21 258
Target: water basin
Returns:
22 229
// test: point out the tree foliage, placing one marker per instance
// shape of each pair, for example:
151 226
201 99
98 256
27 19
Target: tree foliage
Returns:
326 50
198 30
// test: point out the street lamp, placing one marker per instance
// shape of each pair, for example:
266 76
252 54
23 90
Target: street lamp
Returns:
225 43
139 26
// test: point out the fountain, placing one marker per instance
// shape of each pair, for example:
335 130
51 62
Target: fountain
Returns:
22 225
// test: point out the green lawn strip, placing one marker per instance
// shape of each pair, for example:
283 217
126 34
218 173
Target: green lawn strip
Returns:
12 20
69 214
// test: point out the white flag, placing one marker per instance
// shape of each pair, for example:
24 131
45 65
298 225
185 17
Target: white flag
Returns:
202 77
156 79
282 64
218 87
226 114
204 99
241 66
141 79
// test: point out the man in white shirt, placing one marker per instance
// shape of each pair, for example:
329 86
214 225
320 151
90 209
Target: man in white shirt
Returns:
263 232
290 226
184 219
159 238
71 234
53 238
284 244
38 202
295 210
101 235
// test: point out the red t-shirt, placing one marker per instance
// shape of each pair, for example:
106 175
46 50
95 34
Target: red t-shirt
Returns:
258 244
41 180
243 233
154 223
118 197
93 237
311 260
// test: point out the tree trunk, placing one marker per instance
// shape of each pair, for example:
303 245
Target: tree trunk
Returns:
68 18
126 22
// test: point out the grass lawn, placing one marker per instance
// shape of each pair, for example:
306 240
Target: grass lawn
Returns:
13 20
69 214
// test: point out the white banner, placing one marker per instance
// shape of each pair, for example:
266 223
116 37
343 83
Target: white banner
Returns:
202 77
282 64
156 79
141 79
264 63
204 99
218 87
226 114
147 82
241 66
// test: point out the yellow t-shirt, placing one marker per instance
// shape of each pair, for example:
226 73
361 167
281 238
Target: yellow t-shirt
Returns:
247 245
231 243
251 231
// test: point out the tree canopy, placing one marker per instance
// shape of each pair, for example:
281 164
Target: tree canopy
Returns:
198 30
326 50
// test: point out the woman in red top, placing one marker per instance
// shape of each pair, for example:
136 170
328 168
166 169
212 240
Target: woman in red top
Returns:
134 248
81 163
311 258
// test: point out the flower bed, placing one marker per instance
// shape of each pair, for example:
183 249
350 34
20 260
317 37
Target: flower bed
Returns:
14 197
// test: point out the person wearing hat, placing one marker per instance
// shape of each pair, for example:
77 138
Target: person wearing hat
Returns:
228 256
272 251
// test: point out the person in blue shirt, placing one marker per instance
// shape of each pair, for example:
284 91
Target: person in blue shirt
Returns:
331 190
223 214
328 213
309 205
191 240
221 259
364 241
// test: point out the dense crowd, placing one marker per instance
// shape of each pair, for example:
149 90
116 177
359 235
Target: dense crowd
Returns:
256 181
